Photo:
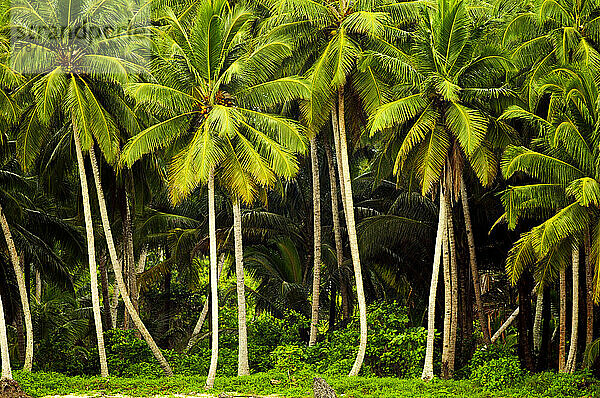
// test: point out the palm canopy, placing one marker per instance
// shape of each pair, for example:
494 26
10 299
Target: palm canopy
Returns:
449 88
213 82
331 39
548 32
563 170
75 56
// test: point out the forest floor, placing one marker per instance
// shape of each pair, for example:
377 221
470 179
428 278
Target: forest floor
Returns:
541 385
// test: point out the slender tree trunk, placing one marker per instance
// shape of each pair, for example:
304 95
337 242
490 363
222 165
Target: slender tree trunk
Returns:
454 283
589 293
473 262
105 294
338 154
437 256
6 369
89 228
141 266
537 324
212 233
316 286
14 257
117 270
337 231
524 323
21 343
38 286
447 299
350 223
196 333
572 358
505 325
243 367
562 338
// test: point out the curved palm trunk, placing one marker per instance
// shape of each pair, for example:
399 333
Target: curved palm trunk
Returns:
337 232
14 257
243 367
316 286
562 338
360 292
454 295
437 256
117 270
505 325
537 323
6 369
572 359
212 233
196 333
89 228
473 262
338 153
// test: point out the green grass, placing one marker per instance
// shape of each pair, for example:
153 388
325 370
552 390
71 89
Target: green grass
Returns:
540 385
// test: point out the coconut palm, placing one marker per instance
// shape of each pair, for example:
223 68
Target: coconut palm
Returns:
565 192
212 79
445 81
330 38
67 76
545 33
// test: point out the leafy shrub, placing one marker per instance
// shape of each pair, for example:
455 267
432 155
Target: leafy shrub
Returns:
498 373
485 354
395 348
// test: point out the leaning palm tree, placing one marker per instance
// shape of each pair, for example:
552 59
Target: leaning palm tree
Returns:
566 191
447 84
211 80
9 81
67 74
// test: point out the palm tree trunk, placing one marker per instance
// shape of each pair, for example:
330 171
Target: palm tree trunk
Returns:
572 359
110 243
105 294
454 283
505 325
350 223
316 286
6 369
141 266
589 293
473 262
38 285
14 257
196 333
437 256
447 299
338 154
337 232
89 228
243 367
562 292
212 233
537 323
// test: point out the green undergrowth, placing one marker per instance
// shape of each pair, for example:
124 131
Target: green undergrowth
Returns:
538 385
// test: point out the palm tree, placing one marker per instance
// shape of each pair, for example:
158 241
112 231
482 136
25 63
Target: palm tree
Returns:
5 358
444 83
219 105
9 81
565 192
330 37
74 87
316 287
